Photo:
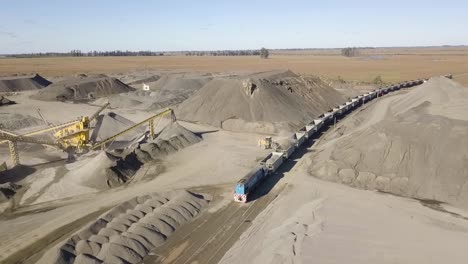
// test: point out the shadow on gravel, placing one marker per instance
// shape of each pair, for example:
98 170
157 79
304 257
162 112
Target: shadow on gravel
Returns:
271 180
16 174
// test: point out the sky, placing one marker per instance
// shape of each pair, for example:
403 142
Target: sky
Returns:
43 26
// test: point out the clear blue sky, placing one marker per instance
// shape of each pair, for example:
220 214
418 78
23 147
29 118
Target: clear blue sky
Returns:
46 25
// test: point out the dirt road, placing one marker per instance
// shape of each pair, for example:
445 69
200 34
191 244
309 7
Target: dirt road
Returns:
207 239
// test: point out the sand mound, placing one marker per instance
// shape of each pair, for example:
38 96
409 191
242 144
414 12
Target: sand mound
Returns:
97 172
257 101
165 90
109 124
129 231
172 138
412 144
85 88
173 89
117 166
13 122
15 84
5 101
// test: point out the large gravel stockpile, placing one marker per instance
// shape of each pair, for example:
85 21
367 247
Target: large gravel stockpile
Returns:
11 121
83 88
172 89
260 102
413 144
23 83
165 90
172 138
129 231
109 124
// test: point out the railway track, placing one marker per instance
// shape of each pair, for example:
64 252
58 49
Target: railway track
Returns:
207 239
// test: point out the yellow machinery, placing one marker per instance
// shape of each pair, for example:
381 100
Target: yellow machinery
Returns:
13 140
150 122
265 143
268 143
74 136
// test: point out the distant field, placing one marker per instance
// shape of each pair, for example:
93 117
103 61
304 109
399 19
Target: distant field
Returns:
391 64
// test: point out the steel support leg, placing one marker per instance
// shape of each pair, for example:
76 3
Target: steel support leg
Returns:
14 152
151 127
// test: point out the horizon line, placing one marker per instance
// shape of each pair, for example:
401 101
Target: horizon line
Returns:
217 50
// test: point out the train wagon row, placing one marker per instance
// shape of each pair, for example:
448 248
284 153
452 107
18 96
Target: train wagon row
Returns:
275 159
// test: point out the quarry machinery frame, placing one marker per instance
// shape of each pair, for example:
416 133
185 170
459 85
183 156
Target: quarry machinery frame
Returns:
150 122
73 134
13 140
67 124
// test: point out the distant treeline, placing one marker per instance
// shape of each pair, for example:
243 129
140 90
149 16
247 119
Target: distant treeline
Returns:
79 53
223 53
350 52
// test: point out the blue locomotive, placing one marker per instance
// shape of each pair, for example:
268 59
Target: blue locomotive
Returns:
249 182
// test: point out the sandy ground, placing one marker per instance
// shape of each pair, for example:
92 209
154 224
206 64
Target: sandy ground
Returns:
47 208
234 153
411 143
293 218
313 221
392 66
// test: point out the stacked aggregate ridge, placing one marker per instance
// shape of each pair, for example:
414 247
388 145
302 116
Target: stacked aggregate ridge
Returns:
83 88
129 231
23 83
413 144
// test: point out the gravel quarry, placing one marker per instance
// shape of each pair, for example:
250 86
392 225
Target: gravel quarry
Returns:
418 141
264 102
382 179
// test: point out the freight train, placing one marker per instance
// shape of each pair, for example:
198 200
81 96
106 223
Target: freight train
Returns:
270 164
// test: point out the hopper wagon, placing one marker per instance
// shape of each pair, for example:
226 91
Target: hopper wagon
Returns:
342 109
360 98
327 116
336 111
286 150
304 131
274 161
300 138
264 160
367 97
318 123
349 106
311 128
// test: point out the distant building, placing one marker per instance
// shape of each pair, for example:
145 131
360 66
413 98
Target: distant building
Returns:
146 87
